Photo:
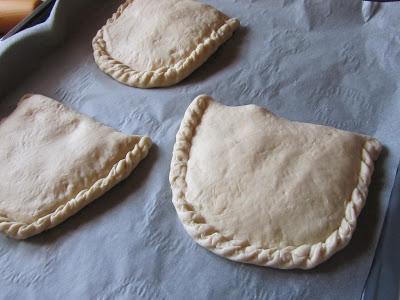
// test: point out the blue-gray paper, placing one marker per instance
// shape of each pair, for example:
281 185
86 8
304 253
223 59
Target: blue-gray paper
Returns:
318 61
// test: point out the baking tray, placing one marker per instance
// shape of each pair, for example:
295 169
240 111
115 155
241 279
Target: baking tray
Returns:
384 277
325 62
39 15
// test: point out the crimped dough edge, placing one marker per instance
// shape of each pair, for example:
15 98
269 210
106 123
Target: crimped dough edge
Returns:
118 172
304 256
165 76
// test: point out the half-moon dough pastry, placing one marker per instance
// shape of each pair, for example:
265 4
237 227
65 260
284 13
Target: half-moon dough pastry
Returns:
55 161
153 43
256 188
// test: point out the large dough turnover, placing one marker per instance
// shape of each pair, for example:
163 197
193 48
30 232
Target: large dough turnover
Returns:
152 43
55 161
260 189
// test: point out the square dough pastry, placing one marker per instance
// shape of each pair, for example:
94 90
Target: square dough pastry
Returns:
154 43
260 189
56 161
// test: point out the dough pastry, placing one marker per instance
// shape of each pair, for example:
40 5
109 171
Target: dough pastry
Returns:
152 43
259 189
56 161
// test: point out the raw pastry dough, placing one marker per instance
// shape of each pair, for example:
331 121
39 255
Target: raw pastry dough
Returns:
152 43
56 161
259 189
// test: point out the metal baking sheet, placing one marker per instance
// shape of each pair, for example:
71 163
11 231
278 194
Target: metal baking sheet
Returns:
383 280
325 61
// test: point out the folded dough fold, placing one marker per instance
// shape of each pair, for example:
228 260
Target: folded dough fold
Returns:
151 43
260 189
56 161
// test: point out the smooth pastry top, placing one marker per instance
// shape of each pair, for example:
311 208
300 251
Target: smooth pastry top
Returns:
270 181
150 34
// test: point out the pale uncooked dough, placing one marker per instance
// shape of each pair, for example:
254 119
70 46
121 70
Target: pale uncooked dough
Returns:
260 189
55 161
152 43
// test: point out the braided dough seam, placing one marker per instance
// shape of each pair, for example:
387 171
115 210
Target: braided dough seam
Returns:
164 76
303 256
118 172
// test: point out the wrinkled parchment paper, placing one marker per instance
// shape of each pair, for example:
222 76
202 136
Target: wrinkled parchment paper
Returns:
316 61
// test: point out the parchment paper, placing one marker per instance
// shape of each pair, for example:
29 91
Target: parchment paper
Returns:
315 61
